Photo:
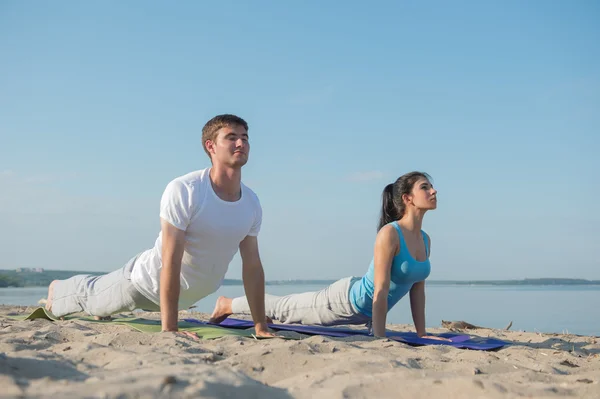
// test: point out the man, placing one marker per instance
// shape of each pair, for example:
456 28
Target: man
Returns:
205 217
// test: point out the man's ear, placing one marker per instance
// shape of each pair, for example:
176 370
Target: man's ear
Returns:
209 145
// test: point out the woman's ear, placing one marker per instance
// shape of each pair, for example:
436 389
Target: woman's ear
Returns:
407 199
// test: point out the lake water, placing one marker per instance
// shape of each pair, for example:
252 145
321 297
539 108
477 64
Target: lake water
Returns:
573 309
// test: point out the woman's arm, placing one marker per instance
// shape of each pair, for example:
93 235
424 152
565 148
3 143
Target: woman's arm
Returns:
386 247
417 298
417 307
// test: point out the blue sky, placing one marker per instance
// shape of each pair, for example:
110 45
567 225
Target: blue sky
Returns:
102 104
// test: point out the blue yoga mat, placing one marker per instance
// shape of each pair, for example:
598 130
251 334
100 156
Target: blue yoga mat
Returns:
411 338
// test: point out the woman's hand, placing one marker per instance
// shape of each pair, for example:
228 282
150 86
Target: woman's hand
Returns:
435 337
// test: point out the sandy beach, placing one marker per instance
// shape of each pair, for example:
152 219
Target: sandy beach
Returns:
76 359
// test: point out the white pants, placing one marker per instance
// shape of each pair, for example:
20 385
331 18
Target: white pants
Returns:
328 307
99 295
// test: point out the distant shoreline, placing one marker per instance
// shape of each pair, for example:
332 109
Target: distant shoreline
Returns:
23 279
523 282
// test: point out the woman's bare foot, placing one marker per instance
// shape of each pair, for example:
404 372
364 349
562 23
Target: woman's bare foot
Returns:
50 296
222 310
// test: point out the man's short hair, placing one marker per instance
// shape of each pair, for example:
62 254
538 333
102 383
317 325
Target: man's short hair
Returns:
210 129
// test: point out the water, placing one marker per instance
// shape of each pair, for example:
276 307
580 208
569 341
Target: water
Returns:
560 309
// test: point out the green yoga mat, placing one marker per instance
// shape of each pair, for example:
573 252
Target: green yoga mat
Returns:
147 325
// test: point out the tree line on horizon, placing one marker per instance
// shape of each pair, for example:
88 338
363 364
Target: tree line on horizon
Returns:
12 278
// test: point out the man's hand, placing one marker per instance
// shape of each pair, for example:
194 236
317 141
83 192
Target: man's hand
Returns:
184 334
263 331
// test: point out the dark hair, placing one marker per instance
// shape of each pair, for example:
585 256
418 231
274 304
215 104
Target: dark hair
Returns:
210 129
393 207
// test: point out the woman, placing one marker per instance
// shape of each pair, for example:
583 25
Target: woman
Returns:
400 265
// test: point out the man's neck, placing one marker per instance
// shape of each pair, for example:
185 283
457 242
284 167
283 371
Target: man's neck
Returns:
226 182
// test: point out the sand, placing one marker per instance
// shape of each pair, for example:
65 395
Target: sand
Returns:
79 359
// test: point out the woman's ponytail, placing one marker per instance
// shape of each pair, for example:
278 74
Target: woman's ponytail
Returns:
389 211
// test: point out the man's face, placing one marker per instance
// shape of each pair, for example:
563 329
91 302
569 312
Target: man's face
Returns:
230 147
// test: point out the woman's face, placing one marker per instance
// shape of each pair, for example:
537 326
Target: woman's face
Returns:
423 195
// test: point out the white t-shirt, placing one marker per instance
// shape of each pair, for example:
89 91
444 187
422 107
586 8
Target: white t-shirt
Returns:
213 229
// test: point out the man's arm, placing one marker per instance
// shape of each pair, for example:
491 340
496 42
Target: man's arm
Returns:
253 276
173 241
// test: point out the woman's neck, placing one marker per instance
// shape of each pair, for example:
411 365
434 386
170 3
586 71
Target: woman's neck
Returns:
412 221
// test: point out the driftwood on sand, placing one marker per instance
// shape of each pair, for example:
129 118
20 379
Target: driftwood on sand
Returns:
463 325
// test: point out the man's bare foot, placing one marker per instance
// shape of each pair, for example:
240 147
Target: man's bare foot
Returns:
222 310
50 296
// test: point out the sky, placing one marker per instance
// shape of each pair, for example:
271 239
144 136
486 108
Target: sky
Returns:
102 104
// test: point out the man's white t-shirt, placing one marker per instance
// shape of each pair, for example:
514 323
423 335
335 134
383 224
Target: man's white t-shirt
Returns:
213 229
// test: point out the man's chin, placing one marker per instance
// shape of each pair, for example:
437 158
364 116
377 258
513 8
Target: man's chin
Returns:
238 163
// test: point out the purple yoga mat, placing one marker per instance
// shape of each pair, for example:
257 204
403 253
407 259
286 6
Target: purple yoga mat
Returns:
456 340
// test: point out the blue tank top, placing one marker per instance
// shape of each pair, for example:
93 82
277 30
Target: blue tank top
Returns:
405 272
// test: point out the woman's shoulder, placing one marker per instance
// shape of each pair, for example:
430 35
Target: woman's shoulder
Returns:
425 234
389 228
427 240
388 235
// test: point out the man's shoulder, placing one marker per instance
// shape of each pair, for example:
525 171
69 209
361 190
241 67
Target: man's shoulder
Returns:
192 178
190 182
250 194
187 188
